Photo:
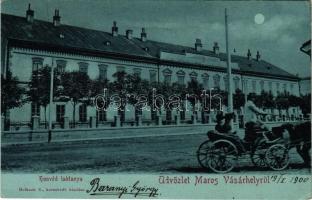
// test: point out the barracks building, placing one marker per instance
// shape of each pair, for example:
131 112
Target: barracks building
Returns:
29 43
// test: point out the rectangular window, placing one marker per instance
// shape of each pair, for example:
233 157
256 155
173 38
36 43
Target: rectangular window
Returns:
168 115
262 86
277 87
138 111
61 65
226 85
254 86
37 63
102 71
101 115
216 81
60 112
137 72
236 83
285 87
153 76
35 109
83 113
167 79
83 67
182 114
153 114
181 80
120 69
270 86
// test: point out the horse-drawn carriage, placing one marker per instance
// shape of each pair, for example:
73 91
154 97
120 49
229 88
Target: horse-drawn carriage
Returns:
221 152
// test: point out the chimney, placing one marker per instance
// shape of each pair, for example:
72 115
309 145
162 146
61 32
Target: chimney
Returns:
56 18
129 34
29 14
216 48
258 56
249 54
143 35
115 29
198 45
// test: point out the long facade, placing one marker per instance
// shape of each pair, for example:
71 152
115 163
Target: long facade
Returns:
101 54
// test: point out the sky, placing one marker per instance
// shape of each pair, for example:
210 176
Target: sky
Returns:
280 28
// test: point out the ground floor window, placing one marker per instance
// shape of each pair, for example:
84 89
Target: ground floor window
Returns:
60 112
35 109
168 115
182 114
83 113
153 114
101 115
121 113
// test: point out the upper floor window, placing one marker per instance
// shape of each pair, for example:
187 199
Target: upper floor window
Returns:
37 63
167 75
262 86
205 78
292 88
83 113
102 71
277 87
216 81
83 67
120 69
61 65
181 75
153 76
193 76
236 82
137 72
285 87
226 84
245 85
254 86
270 86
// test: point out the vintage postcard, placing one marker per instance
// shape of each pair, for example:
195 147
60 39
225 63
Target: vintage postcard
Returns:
156 99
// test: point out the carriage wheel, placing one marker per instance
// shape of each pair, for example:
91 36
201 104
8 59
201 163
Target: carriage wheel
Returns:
203 154
222 156
277 157
258 153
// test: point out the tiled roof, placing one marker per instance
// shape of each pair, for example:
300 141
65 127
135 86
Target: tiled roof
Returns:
45 33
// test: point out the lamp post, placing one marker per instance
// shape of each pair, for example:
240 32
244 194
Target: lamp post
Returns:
51 101
229 69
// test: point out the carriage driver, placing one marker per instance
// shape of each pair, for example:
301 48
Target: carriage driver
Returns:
251 111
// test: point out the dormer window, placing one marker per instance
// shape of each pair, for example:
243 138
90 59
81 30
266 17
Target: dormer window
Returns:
145 49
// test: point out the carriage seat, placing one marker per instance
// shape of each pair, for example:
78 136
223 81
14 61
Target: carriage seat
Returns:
214 135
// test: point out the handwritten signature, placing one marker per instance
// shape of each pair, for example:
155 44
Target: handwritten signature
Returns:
136 189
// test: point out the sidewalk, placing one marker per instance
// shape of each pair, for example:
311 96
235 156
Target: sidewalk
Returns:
75 135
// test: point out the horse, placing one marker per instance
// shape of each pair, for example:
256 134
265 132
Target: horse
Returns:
297 135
